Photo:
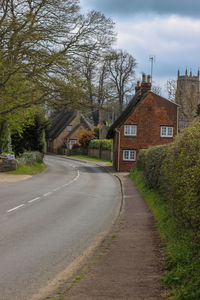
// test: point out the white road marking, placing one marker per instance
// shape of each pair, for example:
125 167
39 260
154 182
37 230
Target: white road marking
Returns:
47 194
66 184
12 209
35 199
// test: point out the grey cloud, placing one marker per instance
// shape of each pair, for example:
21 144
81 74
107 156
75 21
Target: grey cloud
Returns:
131 7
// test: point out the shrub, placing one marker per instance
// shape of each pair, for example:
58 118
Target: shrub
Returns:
141 160
29 158
150 161
103 144
174 170
106 144
181 178
94 144
85 137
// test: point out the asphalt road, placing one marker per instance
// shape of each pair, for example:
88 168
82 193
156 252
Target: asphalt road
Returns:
47 221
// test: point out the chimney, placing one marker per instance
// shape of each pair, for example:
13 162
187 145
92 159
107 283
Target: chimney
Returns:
137 88
145 84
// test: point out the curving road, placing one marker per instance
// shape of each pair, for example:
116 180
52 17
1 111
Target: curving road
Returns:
49 220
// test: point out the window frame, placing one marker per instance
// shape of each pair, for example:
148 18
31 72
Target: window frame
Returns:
69 127
71 143
167 128
129 155
129 126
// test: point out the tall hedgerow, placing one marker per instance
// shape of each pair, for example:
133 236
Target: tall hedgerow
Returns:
180 175
174 170
150 161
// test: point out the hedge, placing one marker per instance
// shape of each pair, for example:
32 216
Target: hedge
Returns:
150 161
181 178
29 158
174 170
103 144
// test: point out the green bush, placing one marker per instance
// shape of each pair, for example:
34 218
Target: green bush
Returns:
181 178
103 144
141 160
182 260
94 144
30 158
150 161
174 170
106 144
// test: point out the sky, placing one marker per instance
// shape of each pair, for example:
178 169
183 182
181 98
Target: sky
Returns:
167 30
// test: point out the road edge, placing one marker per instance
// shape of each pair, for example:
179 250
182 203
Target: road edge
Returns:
84 262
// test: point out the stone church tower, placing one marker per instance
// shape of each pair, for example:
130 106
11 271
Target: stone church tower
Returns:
188 97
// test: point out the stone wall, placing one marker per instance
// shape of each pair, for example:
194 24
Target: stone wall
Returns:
188 97
7 164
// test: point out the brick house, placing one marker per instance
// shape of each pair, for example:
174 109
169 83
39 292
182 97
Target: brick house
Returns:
148 120
66 127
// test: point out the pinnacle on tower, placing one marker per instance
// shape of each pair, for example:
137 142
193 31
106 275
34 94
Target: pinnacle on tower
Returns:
186 72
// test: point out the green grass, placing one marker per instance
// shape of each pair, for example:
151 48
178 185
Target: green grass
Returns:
182 252
92 158
29 170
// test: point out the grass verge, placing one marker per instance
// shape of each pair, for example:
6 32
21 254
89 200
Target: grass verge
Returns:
182 259
36 168
92 158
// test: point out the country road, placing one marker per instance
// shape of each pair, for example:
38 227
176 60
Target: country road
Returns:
47 221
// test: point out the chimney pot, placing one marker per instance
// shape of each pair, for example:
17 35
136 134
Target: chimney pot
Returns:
143 77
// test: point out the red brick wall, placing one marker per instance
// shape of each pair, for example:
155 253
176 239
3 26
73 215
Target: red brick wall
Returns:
152 113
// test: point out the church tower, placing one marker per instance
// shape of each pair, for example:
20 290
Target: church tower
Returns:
188 97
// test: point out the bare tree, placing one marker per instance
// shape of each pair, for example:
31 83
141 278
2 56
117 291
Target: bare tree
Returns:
94 70
171 89
157 89
122 70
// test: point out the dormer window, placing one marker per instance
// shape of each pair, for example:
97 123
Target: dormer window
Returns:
130 130
69 127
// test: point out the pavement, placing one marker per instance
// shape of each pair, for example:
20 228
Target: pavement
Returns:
129 262
9 178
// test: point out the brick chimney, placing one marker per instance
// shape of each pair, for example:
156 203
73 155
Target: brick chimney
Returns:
145 84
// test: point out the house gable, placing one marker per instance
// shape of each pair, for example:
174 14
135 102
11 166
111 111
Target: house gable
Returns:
59 133
148 114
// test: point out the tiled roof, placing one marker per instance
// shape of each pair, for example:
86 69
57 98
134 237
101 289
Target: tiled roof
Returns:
137 98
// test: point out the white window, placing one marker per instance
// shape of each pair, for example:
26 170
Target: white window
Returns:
69 127
129 155
130 130
166 131
71 143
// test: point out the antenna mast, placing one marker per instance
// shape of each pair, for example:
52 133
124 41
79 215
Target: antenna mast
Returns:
152 59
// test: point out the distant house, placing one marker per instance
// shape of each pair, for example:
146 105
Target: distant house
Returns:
148 120
65 129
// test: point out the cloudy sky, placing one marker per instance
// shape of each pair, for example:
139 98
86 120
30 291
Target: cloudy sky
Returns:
168 30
